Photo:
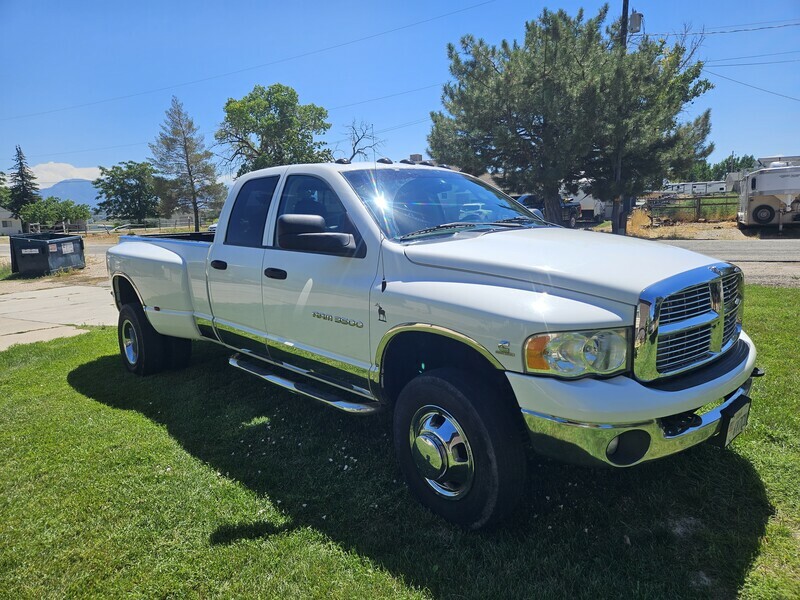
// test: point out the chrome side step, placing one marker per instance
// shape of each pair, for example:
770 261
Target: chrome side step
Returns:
298 387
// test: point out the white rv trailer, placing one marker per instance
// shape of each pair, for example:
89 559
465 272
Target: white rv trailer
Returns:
697 188
770 195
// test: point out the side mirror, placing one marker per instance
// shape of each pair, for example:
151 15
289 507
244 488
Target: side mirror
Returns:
538 213
307 233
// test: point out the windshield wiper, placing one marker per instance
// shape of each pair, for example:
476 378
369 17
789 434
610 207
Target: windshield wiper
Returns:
515 221
442 227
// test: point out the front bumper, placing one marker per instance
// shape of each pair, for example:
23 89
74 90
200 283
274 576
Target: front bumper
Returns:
644 416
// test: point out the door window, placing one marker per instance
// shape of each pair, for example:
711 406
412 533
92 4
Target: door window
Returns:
249 213
307 195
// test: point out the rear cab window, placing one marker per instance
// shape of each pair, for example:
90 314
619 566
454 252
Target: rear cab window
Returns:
249 213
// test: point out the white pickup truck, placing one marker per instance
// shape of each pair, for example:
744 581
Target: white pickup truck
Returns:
378 287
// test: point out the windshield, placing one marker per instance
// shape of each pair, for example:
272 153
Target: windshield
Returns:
408 201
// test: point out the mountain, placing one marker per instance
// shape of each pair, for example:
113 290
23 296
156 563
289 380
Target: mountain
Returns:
80 191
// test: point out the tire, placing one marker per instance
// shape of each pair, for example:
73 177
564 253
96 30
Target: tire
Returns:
179 351
573 221
763 214
476 481
144 351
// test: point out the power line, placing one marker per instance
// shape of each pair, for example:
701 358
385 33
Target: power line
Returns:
751 24
751 56
748 64
88 150
402 125
209 133
687 33
755 87
416 122
427 87
260 66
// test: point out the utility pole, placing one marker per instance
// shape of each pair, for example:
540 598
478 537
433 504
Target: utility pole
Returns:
619 215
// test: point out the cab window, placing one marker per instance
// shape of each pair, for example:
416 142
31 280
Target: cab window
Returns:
307 195
249 213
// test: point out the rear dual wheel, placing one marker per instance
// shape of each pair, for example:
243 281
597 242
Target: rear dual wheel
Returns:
144 351
459 447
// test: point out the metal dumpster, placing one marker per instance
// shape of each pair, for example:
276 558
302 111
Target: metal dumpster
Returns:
45 253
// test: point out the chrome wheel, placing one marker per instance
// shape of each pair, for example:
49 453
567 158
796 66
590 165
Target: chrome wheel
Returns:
441 452
130 342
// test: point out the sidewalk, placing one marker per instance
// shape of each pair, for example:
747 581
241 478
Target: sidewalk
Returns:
47 314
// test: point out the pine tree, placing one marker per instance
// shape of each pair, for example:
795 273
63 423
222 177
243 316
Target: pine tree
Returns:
180 155
4 193
23 189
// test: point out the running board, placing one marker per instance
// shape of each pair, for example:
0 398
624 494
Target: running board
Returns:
298 387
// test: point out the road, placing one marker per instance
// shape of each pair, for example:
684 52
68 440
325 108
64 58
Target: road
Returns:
743 251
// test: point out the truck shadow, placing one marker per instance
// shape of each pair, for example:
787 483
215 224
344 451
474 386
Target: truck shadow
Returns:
684 526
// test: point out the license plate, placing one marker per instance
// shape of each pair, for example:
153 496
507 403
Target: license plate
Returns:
737 423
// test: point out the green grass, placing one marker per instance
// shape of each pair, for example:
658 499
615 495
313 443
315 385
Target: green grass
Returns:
5 270
6 274
206 482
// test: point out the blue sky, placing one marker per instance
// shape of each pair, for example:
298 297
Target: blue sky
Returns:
87 83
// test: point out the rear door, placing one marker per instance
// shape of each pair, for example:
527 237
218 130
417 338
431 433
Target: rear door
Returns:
235 269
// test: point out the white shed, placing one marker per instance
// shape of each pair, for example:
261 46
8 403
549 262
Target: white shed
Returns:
9 225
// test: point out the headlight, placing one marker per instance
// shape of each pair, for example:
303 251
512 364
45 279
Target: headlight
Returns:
578 353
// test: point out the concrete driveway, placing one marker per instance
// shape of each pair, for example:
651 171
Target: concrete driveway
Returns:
46 314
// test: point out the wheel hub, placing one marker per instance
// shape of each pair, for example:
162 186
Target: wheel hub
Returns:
429 455
441 452
130 342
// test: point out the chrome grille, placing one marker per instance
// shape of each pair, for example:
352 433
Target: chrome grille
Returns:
686 304
731 297
684 348
687 320
730 287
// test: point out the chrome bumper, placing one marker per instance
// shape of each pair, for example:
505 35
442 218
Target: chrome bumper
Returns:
572 441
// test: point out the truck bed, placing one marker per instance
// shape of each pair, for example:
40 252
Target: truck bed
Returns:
199 236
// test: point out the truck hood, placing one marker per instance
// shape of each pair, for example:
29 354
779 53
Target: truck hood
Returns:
599 264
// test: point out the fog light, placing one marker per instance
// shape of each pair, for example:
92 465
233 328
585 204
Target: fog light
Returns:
612 446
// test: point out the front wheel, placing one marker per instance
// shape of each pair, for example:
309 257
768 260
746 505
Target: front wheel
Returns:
573 221
459 447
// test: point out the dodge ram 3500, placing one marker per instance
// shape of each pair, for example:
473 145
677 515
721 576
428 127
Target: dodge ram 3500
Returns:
378 287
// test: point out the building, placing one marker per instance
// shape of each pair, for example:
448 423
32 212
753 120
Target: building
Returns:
9 225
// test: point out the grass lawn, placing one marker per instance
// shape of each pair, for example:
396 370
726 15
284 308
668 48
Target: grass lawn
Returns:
206 482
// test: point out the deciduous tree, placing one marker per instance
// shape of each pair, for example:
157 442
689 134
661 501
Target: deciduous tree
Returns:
52 210
128 191
361 140
269 127
180 156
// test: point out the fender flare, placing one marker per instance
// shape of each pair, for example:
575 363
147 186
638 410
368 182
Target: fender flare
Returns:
376 371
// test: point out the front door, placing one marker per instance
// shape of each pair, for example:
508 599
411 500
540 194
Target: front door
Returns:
318 308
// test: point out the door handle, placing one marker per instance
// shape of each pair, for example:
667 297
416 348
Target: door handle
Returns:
275 273
219 264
